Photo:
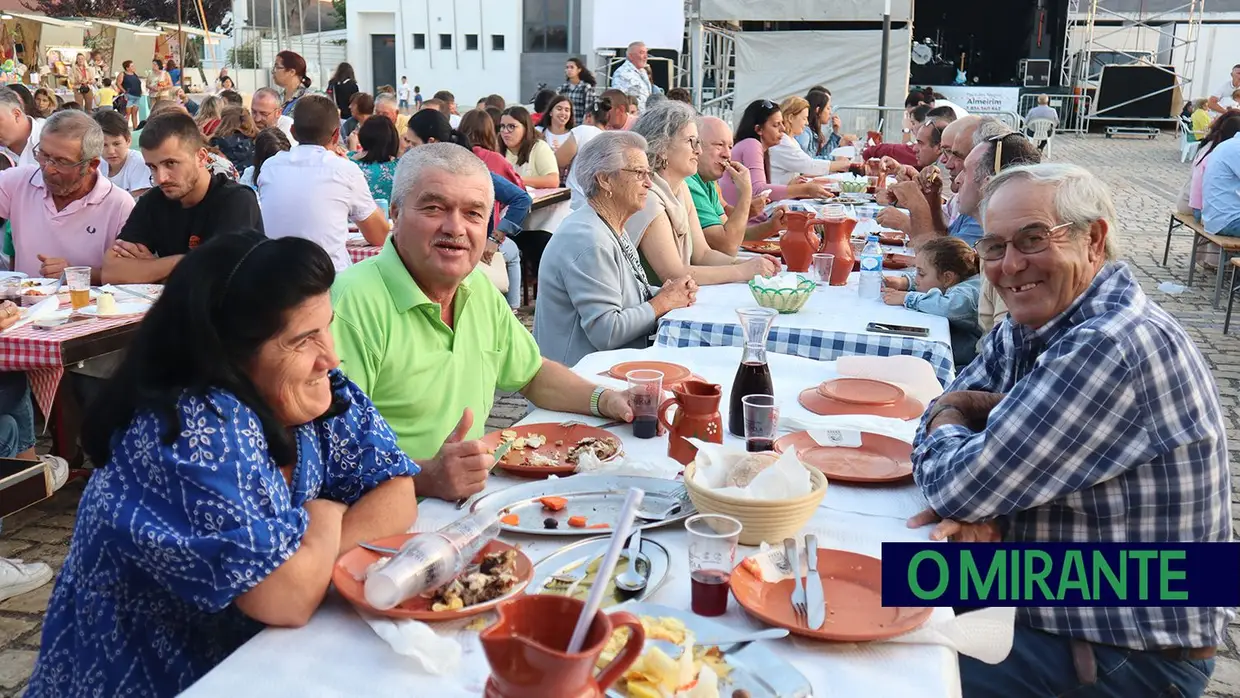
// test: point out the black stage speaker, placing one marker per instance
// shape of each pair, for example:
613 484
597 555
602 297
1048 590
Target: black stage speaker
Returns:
1147 89
932 74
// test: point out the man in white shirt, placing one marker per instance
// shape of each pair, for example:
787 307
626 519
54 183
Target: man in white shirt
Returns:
265 108
454 117
313 192
1221 100
631 78
19 133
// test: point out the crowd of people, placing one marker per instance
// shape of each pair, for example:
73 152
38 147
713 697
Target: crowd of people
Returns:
280 403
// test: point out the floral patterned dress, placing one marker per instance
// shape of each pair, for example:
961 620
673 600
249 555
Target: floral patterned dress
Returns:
169 534
380 175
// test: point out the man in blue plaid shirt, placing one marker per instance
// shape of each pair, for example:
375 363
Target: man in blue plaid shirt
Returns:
1089 416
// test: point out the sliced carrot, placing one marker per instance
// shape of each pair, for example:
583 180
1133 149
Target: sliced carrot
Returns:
511 520
553 503
577 521
599 526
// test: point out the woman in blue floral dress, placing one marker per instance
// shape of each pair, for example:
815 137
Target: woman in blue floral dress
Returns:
237 464
380 146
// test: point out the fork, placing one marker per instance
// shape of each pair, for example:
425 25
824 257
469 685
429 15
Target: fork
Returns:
572 576
799 609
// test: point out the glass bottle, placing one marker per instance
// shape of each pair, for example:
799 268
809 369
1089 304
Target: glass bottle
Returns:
753 376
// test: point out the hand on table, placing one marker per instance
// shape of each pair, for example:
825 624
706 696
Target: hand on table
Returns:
51 267
614 404
809 190
131 250
460 468
899 283
9 314
762 265
894 297
676 293
957 531
893 219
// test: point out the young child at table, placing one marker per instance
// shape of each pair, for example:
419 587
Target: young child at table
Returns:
948 285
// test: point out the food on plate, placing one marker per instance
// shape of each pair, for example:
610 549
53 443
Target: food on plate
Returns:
496 576
539 460
577 521
106 304
695 674
553 503
550 523
599 525
582 588
510 520
601 448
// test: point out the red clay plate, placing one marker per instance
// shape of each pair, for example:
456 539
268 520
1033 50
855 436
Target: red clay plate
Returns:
560 439
879 459
353 564
812 400
852 585
861 391
762 247
672 373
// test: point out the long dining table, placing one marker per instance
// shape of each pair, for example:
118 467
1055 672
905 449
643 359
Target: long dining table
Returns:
338 654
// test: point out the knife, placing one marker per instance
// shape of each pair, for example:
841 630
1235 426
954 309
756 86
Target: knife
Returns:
499 453
132 292
815 604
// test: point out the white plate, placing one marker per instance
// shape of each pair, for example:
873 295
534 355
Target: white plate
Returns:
12 275
122 309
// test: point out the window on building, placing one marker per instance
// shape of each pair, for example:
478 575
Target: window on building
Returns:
419 42
471 42
546 26
497 42
445 42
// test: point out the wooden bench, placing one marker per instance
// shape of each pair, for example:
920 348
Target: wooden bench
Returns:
1231 295
1228 247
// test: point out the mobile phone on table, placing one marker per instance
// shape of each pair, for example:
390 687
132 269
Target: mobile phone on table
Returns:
903 330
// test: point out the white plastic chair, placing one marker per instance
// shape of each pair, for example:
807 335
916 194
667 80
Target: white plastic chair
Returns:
1041 130
1188 149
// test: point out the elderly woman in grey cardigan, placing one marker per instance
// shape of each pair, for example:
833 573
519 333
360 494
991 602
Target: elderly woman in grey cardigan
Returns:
593 294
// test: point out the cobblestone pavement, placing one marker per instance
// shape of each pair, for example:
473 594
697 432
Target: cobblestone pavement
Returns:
1145 177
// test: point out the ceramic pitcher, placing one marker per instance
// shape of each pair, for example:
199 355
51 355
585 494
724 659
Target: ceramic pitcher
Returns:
799 243
697 417
837 240
526 648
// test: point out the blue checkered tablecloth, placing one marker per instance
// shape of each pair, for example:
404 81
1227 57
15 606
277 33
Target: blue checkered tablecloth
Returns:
811 344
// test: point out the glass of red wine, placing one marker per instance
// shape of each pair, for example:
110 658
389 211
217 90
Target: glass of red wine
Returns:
761 422
645 395
712 552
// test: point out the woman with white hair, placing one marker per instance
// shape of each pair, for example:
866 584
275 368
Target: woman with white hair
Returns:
666 231
593 293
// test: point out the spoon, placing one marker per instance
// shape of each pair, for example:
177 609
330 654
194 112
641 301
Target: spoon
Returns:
630 582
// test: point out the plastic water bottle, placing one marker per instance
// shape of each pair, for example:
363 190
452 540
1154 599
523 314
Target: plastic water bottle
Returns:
872 269
430 560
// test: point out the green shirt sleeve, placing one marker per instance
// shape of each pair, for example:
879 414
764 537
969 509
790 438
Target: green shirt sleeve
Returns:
706 200
9 250
359 361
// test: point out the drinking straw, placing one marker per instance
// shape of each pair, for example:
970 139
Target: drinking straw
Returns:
621 534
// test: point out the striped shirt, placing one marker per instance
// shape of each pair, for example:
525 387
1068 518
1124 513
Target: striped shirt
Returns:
1110 429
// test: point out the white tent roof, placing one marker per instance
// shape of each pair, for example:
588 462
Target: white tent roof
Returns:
804 10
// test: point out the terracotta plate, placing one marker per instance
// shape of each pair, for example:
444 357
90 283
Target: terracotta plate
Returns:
353 564
761 247
672 373
560 439
852 585
861 391
907 408
879 459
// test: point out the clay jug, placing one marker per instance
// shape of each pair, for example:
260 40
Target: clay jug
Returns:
837 240
526 648
697 417
799 242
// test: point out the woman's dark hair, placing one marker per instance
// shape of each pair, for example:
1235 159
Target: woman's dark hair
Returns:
529 137
542 99
268 142
294 62
430 124
477 127
344 71
158 63
1224 127
680 94
27 98
916 97
170 65
818 102
362 103
379 139
494 101
545 119
220 305
584 75
235 119
755 116
226 82
949 254
919 113
496 113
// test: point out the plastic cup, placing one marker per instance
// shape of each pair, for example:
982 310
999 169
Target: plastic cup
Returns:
645 395
78 281
761 421
822 266
712 555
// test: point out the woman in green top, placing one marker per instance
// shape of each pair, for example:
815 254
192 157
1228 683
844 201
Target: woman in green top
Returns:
380 144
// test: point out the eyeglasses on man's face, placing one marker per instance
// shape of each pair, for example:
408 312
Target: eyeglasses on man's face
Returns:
1029 240
58 163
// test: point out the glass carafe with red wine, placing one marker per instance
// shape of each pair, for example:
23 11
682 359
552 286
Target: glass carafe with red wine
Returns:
753 376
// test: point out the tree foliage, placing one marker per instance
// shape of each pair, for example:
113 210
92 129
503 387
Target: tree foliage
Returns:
136 11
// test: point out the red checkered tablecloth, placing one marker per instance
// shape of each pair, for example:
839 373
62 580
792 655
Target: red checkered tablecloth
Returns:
38 353
358 252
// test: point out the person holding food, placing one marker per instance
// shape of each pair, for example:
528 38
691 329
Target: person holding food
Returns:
723 226
430 339
788 160
236 463
666 231
760 129
593 293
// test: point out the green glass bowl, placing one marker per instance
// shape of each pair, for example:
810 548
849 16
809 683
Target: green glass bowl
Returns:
854 187
789 300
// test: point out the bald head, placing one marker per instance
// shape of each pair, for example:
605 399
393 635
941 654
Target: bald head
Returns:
957 141
716 139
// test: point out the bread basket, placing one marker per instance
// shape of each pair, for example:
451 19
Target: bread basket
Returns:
769 520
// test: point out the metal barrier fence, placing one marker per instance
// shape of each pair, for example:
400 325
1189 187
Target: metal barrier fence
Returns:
862 118
1072 110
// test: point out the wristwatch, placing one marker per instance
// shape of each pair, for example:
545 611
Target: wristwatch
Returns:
594 399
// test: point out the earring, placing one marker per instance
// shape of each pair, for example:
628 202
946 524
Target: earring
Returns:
608 193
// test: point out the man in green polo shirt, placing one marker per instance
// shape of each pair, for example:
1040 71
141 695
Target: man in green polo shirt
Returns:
430 340
724 232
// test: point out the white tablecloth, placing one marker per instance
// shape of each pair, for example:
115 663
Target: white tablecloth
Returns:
337 654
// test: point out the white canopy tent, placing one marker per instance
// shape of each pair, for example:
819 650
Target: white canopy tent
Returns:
804 10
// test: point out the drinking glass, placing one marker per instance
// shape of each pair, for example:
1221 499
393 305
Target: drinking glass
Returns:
712 554
78 281
645 395
761 421
822 268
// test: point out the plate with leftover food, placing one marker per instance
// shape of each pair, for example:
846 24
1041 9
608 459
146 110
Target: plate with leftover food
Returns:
672 664
573 570
762 246
540 450
582 504
498 572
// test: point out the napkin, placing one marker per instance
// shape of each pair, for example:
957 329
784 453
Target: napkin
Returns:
415 639
43 308
784 479
785 281
912 373
663 467
901 429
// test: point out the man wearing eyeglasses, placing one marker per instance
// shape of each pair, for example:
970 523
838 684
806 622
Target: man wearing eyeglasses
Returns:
265 108
19 132
1089 415
63 212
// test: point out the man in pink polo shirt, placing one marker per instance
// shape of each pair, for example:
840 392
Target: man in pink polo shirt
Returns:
63 212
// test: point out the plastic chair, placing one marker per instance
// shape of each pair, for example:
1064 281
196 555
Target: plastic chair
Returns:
1041 131
1188 147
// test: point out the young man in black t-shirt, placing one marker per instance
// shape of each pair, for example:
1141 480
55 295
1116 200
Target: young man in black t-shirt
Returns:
185 207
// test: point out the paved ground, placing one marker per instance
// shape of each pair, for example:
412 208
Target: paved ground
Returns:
1145 178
